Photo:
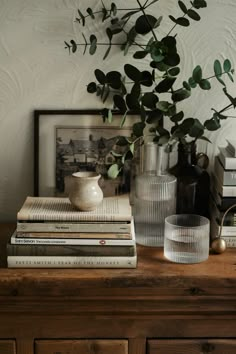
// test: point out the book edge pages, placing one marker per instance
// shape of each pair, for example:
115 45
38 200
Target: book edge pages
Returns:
44 208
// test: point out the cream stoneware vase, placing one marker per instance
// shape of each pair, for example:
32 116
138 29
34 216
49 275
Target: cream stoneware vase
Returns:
85 193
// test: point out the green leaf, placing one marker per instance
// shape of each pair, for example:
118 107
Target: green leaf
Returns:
181 21
205 84
146 78
230 77
149 100
165 85
217 68
92 87
182 6
196 130
105 14
174 71
123 121
110 116
212 124
172 59
120 103
113 171
113 9
90 12
186 85
145 23
193 15
180 95
113 78
163 105
198 4
100 76
107 52
227 65
138 129
74 46
177 117
81 17
197 74
93 44
105 93
136 90
109 33
140 54
132 72
154 116
192 83
132 102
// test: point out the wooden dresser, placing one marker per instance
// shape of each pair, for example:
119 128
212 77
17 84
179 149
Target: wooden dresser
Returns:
158 308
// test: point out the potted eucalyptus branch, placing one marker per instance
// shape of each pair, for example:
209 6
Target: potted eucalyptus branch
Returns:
155 93
142 91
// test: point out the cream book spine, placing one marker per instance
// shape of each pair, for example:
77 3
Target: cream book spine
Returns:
71 262
119 227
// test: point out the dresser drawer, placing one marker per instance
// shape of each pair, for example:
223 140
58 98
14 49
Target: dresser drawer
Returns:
95 346
192 346
7 347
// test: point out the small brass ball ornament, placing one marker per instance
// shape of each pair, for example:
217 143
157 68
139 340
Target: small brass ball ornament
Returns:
218 244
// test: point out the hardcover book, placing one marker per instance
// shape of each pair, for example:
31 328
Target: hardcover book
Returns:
224 191
231 147
40 209
226 177
71 262
227 159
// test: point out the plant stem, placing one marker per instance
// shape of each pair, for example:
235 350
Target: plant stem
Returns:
177 23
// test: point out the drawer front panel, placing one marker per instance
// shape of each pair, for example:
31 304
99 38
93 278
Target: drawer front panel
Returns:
7 347
193 346
95 346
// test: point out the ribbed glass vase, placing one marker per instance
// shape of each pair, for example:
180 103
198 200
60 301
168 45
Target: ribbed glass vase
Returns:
155 196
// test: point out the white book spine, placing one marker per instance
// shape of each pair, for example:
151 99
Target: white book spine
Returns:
71 262
71 241
227 160
73 227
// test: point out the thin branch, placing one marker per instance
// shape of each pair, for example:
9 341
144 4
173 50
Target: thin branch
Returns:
142 9
177 23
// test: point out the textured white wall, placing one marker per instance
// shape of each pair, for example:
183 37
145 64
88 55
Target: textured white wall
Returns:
37 73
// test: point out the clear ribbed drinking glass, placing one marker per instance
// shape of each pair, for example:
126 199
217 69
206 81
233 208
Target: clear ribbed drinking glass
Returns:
186 238
155 197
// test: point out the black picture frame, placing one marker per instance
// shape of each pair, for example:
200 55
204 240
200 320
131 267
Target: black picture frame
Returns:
51 126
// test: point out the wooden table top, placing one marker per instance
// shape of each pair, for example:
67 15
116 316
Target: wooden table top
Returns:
154 274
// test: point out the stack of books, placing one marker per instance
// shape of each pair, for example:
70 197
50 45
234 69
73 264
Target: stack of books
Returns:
50 232
224 194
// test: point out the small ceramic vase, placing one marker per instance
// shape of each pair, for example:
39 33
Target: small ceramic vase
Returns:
85 194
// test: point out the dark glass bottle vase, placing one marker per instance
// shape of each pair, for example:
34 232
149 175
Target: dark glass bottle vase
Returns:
193 182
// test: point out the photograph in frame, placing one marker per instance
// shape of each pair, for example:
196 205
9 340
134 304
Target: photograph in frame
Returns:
67 141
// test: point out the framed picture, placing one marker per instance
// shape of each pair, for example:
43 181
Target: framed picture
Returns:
67 141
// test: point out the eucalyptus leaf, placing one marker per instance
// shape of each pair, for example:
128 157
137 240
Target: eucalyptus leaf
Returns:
113 9
74 46
145 23
183 6
113 78
205 84
177 117
132 72
90 12
193 15
149 100
165 85
227 65
230 77
181 21
100 76
198 4
92 87
107 52
197 74
174 71
138 129
217 68
132 102
119 103
113 171
140 54
192 82
180 95
212 124
82 17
